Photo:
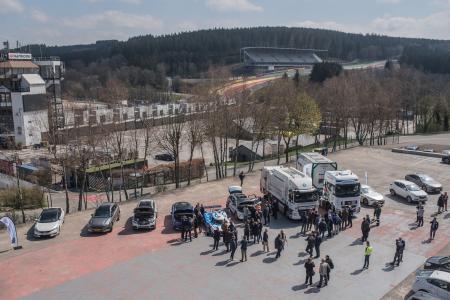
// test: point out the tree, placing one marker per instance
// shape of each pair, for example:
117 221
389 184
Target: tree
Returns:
195 137
324 71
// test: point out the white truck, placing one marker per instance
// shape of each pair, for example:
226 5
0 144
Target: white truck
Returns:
292 188
341 188
315 165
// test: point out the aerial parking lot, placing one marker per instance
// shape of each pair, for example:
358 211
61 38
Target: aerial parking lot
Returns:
156 264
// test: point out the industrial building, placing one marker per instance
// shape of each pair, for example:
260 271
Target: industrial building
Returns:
271 58
29 89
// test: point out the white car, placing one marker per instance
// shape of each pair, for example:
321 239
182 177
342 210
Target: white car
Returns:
49 222
371 197
237 202
408 190
446 152
437 283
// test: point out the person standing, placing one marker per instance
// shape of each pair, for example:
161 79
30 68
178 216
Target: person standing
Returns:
310 240
440 203
188 229
259 227
309 220
275 209
183 227
420 213
365 228
266 214
350 217
323 271
309 267
317 242
278 246
433 228
344 218
322 227
243 250
233 246
367 253
247 231
377 214
195 224
331 264
283 238
445 201
216 237
303 221
265 241
241 177
227 236
399 248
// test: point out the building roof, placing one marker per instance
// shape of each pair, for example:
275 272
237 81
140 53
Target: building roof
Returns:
18 64
33 79
263 56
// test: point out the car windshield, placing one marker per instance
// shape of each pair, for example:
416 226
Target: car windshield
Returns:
412 188
347 190
366 190
445 261
426 178
300 197
49 216
102 211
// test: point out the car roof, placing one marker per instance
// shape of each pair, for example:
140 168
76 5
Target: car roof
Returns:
440 275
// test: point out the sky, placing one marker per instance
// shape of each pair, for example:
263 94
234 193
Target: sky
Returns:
65 22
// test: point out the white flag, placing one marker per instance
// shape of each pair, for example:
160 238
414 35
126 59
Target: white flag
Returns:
11 230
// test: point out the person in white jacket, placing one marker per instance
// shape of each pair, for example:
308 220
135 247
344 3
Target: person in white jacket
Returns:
323 272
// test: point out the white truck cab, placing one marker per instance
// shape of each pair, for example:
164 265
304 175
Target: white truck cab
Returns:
292 188
341 188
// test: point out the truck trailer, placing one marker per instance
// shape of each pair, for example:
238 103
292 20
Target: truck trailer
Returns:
293 190
315 165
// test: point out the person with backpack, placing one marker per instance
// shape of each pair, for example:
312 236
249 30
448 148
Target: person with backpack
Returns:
433 228
331 264
309 268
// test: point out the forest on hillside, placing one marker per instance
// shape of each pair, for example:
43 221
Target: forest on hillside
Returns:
142 63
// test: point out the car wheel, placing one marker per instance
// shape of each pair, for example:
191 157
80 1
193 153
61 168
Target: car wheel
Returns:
409 199
392 192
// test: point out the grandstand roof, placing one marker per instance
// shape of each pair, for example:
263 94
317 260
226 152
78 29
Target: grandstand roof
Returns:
285 57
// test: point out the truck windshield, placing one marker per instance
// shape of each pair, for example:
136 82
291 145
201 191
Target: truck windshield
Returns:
301 197
347 190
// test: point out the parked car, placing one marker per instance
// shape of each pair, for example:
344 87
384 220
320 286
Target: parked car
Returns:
214 220
237 201
427 150
180 209
408 190
371 197
446 159
412 147
446 152
441 263
49 222
164 157
104 217
437 283
422 296
427 183
145 215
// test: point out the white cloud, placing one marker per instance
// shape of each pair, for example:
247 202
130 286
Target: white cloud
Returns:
11 6
233 5
187 26
332 25
39 15
113 18
390 1
132 1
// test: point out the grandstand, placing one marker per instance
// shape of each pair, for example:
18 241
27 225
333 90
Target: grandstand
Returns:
276 58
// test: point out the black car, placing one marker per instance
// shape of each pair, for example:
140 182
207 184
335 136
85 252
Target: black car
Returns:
164 157
179 210
441 263
446 159
104 217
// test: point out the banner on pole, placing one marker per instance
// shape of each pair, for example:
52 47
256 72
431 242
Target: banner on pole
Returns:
11 228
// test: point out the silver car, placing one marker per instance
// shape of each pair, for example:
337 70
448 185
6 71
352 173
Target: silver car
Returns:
104 218
371 197
425 182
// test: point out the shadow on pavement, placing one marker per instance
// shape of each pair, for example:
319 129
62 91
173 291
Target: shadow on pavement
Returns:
296 236
85 233
303 254
427 241
388 267
300 262
220 253
257 253
413 226
356 242
207 252
313 290
299 287
30 234
400 200
222 263
232 263
357 272
269 260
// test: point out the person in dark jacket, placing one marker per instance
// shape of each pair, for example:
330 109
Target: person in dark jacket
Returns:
195 225
202 210
275 209
244 250
233 246
399 248
259 228
278 245
227 236
350 217
309 220
344 217
216 237
265 241
433 228
188 229
440 203
331 264
310 240
309 267
365 228
247 231
330 227
266 214
303 221
241 177
377 214
317 242
322 227
254 229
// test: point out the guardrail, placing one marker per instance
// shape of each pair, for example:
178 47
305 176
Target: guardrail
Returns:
416 152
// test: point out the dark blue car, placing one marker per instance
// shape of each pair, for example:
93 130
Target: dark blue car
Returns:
180 209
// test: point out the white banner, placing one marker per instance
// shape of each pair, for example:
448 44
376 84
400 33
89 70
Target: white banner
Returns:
19 56
11 230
